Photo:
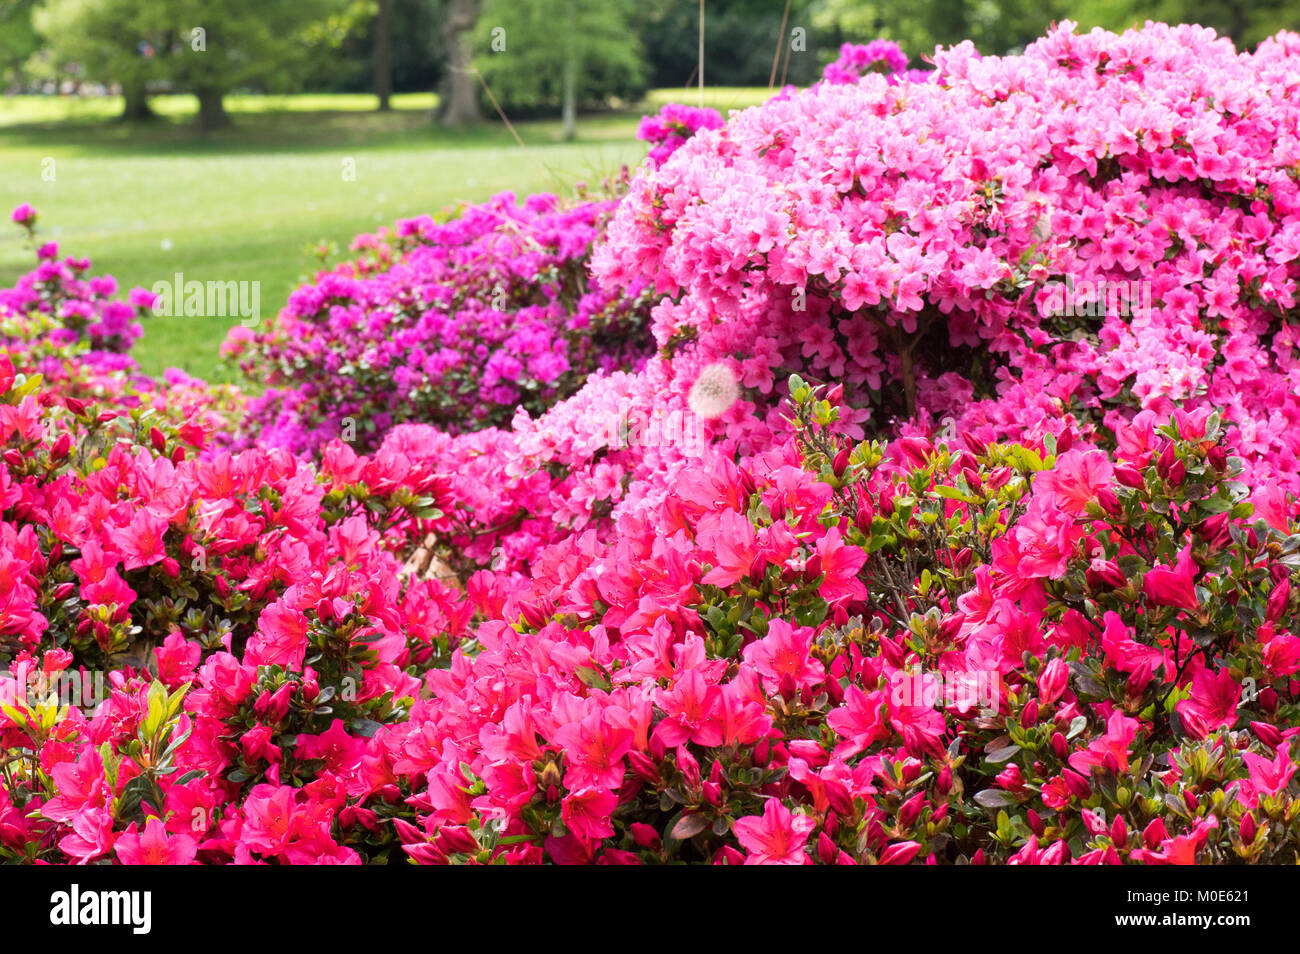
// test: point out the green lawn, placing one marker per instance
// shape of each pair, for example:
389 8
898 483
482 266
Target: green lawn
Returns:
146 201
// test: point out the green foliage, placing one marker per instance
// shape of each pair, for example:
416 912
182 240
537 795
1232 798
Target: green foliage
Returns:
1245 21
190 44
1001 27
542 36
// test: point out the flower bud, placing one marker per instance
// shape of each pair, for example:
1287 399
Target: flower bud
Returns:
1076 783
60 448
645 836
1129 476
1103 575
1154 834
911 810
1059 746
1267 734
1278 600
1029 715
826 850
1166 460
943 783
1108 502
841 462
1052 681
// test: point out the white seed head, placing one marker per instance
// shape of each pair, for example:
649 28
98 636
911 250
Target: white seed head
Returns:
714 391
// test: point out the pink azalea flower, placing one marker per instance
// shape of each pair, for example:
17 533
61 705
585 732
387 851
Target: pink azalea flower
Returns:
587 811
1268 776
1213 703
1174 586
777 837
154 846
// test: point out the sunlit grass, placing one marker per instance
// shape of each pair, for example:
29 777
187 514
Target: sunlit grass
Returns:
147 200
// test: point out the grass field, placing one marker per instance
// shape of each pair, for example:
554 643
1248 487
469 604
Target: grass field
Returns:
146 201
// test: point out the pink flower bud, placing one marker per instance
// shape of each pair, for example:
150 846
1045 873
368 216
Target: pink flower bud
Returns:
1267 734
911 810
1076 783
1052 681
1154 834
1059 746
645 836
1029 715
899 853
1166 460
1108 502
1278 600
1129 476
841 462
826 850
60 448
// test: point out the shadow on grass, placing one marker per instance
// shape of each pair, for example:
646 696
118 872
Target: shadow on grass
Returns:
294 131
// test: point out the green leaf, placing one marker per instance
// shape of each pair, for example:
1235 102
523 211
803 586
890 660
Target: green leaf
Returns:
592 678
688 827
994 798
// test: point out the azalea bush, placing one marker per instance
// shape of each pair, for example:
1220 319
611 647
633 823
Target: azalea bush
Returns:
75 331
240 605
909 540
455 321
672 126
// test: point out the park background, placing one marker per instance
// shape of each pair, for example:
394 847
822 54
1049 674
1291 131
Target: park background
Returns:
249 140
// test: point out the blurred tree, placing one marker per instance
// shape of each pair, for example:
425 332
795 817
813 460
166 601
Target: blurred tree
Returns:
537 54
414 48
740 38
207 47
995 26
1246 22
112 41
459 101
18 37
383 58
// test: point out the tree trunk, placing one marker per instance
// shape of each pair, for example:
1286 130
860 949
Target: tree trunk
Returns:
569 77
460 102
137 102
384 54
1238 21
212 109
570 108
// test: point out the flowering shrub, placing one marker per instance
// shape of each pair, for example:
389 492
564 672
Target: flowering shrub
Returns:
672 126
909 545
454 323
857 59
252 628
763 668
909 241
66 326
